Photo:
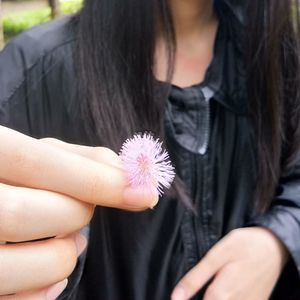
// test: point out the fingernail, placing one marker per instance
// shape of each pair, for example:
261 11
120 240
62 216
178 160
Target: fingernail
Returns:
80 242
155 200
139 198
56 290
179 294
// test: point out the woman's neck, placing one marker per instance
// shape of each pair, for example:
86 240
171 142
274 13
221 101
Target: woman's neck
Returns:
195 24
190 17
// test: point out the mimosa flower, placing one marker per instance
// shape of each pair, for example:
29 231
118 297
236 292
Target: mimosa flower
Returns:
146 164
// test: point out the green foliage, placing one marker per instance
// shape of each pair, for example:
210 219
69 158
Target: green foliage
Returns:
18 22
70 6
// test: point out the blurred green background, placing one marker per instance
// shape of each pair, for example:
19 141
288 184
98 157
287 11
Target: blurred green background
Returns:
19 15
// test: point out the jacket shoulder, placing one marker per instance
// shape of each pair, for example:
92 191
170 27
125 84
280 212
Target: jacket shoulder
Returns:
41 40
33 67
32 53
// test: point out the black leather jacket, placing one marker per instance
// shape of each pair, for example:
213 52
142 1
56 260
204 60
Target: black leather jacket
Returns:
142 256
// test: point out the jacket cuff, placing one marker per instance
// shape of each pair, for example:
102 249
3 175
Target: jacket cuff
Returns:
284 223
281 220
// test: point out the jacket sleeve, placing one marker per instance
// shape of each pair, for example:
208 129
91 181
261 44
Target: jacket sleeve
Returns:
283 219
25 107
13 101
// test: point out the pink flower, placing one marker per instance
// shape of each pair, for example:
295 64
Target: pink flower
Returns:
147 165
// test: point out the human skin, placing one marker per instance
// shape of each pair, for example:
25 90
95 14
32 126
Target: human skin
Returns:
43 184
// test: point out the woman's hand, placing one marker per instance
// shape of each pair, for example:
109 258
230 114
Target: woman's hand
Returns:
246 264
49 189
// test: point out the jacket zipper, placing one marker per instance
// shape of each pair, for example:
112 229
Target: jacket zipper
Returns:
208 94
202 205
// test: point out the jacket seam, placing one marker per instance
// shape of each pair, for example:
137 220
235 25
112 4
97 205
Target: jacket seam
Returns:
30 68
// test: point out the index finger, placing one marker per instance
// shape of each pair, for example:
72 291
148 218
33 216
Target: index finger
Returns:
199 275
30 162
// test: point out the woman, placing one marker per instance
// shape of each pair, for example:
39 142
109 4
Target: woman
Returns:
219 82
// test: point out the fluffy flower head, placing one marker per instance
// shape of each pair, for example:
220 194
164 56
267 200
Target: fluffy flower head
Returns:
146 164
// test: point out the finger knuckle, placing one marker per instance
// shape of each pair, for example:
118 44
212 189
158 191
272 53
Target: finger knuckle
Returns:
106 152
52 142
49 140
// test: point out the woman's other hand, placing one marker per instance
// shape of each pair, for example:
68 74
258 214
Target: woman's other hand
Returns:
245 264
48 191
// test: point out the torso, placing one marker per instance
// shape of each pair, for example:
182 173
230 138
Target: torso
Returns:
142 256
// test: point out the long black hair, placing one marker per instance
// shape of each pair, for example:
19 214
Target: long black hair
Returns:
273 70
119 95
116 48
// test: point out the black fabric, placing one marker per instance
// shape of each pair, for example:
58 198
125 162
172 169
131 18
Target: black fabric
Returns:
142 256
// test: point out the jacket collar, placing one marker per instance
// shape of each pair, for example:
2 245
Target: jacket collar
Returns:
231 91
237 8
226 74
